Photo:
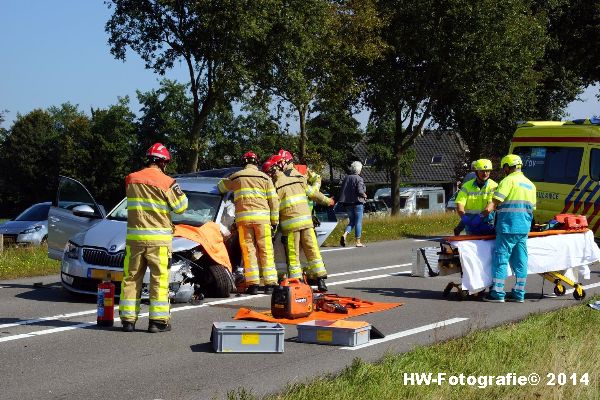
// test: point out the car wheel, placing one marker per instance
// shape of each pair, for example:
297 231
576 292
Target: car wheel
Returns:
44 240
219 282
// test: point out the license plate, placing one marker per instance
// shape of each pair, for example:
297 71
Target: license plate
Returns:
116 276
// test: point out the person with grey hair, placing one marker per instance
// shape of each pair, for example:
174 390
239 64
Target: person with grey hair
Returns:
353 195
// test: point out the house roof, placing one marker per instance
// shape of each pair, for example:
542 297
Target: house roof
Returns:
440 157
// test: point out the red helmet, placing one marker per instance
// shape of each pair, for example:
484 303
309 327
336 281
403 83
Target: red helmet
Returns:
286 155
250 156
271 163
159 151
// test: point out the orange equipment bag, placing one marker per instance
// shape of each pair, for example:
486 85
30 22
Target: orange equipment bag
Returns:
292 299
572 221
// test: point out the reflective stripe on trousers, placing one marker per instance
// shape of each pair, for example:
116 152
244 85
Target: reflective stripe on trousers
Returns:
307 240
137 259
255 239
510 248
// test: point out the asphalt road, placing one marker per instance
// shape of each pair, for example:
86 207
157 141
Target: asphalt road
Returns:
50 347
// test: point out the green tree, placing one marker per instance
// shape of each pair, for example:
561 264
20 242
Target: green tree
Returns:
30 161
310 48
444 57
334 133
75 136
215 39
167 114
380 133
111 148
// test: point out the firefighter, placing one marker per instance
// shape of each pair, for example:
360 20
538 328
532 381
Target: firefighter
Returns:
256 211
473 197
514 200
151 196
296 222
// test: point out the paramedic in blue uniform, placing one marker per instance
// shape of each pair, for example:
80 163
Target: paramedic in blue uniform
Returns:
514 200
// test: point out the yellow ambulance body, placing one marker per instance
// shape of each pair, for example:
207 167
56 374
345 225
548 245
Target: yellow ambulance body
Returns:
563 160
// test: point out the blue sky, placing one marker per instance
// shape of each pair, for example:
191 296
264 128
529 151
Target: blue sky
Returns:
56 51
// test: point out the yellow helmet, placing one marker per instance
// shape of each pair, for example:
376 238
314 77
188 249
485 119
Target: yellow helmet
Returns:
511 160
482 164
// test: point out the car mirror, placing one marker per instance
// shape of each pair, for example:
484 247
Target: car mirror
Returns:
84 211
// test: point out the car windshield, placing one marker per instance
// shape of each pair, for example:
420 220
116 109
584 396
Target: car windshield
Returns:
202 207
38 212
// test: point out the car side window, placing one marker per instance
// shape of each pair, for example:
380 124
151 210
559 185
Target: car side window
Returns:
551 164
72 194
595 164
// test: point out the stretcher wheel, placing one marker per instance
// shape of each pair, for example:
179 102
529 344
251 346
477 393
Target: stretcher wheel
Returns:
448 289
579 292
559 290
462 294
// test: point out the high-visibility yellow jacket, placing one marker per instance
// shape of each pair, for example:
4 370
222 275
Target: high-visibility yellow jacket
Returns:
151 196
254 195
294 192
476 198
517 197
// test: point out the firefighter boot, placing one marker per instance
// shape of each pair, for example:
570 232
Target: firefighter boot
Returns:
252 290
127 326
155 326
321 286
269 289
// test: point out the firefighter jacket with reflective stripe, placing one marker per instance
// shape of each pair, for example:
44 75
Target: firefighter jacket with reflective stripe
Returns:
254 195
151 196
517 195
294 192
476 198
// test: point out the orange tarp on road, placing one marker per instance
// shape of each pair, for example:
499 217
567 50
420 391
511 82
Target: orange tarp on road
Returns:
363 308
210 237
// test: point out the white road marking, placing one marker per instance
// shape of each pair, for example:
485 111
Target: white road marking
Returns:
42 319
358 271
337 249
368 278
85 325
408 332
433 239
591 285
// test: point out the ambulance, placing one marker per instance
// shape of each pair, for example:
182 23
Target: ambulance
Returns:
562 158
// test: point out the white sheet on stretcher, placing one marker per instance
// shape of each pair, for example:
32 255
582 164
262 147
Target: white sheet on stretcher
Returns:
570 253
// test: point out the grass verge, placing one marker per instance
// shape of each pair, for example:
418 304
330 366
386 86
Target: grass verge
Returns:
564 341
399 227
21 262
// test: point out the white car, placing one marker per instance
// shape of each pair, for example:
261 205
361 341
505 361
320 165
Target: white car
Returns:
91 243
30 228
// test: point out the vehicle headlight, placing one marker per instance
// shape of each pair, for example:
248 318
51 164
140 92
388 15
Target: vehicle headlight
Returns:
32 230
71 250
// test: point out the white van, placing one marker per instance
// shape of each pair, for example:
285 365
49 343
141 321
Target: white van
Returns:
415 200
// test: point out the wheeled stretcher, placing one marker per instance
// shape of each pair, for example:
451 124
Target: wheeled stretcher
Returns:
561 257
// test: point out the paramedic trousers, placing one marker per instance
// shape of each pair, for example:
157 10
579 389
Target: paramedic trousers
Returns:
137 259
304 239
510 248
255 239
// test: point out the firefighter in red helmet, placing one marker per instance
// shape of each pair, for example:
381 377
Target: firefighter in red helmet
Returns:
256 211
151 195
296 221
